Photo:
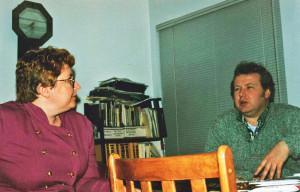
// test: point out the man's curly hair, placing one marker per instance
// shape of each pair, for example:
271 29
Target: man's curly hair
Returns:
266 79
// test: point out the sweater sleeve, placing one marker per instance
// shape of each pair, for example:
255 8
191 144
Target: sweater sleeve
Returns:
292 134
91 180
214 138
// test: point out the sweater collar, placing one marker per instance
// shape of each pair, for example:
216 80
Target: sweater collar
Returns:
260 122
39 114
261 119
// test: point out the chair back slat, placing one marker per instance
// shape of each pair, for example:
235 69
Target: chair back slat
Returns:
168 186
130 186
195 168
146 186
198 185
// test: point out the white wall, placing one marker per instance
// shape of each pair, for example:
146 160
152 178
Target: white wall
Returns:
165 10
290 17
109 38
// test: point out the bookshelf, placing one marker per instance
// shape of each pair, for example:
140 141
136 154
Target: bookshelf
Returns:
127 128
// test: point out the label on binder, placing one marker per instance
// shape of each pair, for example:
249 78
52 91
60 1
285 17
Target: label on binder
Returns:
113 133
130 132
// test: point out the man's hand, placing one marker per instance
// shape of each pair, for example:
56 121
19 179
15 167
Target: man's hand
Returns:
273 161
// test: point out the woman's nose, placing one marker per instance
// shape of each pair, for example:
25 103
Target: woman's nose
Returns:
77 86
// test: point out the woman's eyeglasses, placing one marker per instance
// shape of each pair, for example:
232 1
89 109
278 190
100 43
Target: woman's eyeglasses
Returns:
71 80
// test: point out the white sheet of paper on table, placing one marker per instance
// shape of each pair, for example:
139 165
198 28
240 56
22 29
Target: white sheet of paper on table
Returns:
282 188
276 182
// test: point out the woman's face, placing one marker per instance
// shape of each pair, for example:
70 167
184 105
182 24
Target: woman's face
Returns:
63 94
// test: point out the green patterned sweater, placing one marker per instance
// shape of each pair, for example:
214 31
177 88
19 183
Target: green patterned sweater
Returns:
281 123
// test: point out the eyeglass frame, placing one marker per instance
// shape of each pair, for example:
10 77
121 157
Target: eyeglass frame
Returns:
71 80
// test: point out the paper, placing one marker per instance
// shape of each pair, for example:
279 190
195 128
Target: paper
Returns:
277 188
284 185
276 182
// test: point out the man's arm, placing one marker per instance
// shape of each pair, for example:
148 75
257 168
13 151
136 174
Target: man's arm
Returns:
214 138
289 146
273 161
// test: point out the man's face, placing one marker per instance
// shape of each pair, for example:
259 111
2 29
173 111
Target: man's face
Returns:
249 97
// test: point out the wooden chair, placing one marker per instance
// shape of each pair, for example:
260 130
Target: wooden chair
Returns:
195 168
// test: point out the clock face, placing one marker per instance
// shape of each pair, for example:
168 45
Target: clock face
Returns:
32 23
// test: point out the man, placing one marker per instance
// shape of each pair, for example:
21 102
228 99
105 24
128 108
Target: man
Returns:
264 136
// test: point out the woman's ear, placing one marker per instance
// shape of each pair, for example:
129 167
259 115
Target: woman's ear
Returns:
43 91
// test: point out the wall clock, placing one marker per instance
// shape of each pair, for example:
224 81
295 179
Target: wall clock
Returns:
33 25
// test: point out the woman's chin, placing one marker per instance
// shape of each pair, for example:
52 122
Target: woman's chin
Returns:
72 105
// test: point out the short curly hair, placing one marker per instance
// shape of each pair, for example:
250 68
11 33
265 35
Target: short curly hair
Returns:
40 67
266 79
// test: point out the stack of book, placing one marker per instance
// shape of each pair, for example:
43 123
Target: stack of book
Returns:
125 119
135 150
119 89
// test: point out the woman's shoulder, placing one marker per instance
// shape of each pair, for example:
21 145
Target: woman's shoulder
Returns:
77 122
76 116
11 106
12 111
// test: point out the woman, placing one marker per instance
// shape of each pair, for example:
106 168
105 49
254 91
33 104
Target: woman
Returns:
46 146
